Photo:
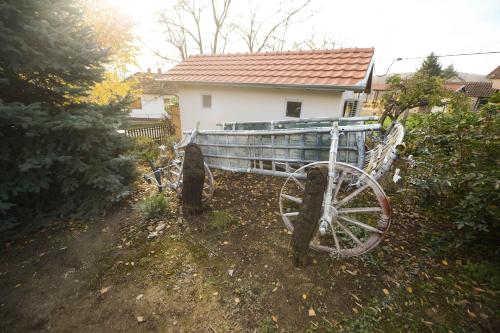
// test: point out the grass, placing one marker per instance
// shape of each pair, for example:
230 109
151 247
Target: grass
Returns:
221 220
154 207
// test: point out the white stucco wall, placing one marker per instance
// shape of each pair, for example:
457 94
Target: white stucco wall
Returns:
153 106
231 104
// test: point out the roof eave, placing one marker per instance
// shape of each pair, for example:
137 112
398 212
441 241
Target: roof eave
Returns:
363 84
356 88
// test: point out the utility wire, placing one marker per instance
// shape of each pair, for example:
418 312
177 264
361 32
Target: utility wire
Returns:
437 56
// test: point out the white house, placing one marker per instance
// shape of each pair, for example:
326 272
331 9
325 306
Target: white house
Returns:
270 86
153 98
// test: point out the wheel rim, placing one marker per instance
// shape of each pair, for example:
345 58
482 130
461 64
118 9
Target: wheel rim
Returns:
174 179
360 212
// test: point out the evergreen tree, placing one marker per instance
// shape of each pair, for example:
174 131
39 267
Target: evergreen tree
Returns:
431 66
449 72
58 156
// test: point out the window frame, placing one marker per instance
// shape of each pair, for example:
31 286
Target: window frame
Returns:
294 101
355 106
203 101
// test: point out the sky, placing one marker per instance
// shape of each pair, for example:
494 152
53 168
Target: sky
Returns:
396 29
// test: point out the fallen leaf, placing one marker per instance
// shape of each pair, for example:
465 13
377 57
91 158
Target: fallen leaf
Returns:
409 290
140 319
385 291
355 310
236 300
139 296
445 262
215 293
230 272
471 314
105 290
311 312
304 296
274 318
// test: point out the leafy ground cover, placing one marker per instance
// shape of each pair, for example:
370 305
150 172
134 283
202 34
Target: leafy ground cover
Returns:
230 271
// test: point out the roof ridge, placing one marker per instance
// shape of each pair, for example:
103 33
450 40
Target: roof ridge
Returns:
325 51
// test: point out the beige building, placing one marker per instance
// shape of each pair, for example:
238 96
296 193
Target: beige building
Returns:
494 76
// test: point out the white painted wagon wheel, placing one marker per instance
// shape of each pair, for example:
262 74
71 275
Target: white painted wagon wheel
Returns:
360 211
174 179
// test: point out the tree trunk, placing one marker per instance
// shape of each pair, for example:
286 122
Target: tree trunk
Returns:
309 215
193 175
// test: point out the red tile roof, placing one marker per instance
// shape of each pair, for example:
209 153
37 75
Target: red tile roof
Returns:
337 68
454 86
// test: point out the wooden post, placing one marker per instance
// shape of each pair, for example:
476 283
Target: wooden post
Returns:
309 215
193 177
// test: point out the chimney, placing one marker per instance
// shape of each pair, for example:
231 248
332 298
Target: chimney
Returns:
159 70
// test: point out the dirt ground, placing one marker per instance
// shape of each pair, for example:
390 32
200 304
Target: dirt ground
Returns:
199 276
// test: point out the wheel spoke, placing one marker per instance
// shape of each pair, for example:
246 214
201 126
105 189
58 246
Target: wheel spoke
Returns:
359 210
335 239
360 224
337 186
302 187
349 233
292 198
287 220
292 214
351 196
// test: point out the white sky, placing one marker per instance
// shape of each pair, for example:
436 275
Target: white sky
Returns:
401 28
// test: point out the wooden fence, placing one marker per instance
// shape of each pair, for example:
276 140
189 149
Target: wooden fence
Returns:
157 133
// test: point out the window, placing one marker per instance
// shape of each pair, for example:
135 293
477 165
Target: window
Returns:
350 108
293 109
207 101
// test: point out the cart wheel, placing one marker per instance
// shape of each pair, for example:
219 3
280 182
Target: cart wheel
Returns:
174 180
360 212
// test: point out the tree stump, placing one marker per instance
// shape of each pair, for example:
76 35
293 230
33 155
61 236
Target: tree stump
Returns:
193 177
309 215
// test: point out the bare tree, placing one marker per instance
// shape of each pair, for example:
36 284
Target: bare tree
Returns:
259 34
175 34
315 42
219 21
185 31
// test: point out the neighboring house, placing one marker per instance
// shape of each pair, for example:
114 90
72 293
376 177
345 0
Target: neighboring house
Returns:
154 96
478 93
214 89
494 76
475 86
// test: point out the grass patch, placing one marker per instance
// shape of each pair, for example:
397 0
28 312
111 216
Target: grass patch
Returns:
221 220
154 207
485 273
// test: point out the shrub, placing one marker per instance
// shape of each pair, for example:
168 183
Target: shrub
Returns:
154 207
456 177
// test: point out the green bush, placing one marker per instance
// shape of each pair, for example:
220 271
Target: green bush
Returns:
59 156
154 207
456 177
